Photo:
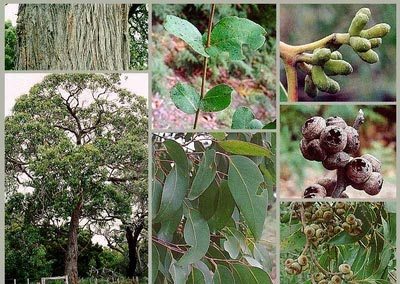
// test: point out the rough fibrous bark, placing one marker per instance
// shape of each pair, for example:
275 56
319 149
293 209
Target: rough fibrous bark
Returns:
133 238
72 37
71 257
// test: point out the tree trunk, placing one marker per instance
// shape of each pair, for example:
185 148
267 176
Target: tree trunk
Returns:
72 37
71 258
132 237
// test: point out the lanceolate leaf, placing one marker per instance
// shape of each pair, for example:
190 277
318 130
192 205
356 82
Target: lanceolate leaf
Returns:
230 33
195 277
248 274
175 187
168 227
242 118
155 262
216 99
178 273
244 179
187 32
156 197
177 154
197 236
223 275
244 148
185 97
205 174
224 210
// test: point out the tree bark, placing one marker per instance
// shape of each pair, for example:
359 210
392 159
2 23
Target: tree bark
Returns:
72 37
71 257
132 238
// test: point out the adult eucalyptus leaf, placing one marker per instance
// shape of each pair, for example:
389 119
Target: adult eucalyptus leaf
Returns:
185 98
224 208
177 154
195 277
178 273
187 32
249 274
174 191
155 262
156 196
244 179
197 236
231 33
223 275
205 174
216 99
218 135
241 118
169 226
244 148
208 201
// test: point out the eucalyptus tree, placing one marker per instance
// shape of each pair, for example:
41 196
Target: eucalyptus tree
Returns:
76 144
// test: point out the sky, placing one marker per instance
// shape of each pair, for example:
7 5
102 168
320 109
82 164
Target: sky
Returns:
17 84
10 13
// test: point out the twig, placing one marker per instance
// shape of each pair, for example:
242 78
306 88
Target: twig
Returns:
203 81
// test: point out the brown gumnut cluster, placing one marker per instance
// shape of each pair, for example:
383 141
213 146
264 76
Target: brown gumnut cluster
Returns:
334 143
322 221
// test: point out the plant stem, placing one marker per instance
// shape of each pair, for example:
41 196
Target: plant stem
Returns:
291 78
293 54
205 62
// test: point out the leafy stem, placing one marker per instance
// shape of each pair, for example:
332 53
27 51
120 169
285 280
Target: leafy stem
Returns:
205 63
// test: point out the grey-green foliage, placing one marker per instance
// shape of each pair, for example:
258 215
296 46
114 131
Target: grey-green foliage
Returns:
231 181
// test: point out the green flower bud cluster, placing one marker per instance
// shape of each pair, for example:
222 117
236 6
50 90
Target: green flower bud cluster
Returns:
364 40
326 62
334 143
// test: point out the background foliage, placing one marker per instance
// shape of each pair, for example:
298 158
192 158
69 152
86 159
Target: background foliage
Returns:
139 34
377 135
204 225
253 79
301 24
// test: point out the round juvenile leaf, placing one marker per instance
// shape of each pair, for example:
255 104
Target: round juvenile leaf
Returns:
197 236
241 118
216 99
187 32
185 98
230 33
244 148
256 124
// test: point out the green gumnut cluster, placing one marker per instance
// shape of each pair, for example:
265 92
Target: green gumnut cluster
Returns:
337 278
326 62
334 143
323 221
